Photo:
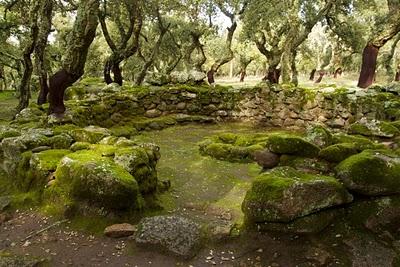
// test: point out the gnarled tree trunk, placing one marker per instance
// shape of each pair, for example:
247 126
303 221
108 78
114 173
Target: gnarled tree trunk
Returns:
45 17
368 67
24 87
312 74
371 50
81 38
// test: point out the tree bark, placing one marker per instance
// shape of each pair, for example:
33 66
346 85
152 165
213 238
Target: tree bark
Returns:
273 75
337 73
312 74
156 48
129 39
24 87
293 67
45 18
83 33
321 76
368 67
390 28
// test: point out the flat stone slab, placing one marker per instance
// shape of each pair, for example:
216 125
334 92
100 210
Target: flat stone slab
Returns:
172 234
120 230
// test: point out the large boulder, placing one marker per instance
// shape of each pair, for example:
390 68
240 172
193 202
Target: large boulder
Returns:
34 169
360 142
13 147
285 194
371 173
141 163
292 145
339 152
87 176
173 234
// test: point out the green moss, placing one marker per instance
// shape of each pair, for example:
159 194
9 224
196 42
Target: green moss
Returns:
273 194
123 131
104 150
372 172
360 142
339 152
61 141
89 134
305 164
291 144
380 128
87 176
319 135
7 132
228 138
80 146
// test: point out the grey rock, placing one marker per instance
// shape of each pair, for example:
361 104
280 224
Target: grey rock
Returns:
177 235
4 202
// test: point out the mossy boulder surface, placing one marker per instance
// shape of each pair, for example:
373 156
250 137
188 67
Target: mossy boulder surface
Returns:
285 194
374 128
371 173
311 165
319 135
310 224
233 147
87 176
90 134
140 162
7 131
42 164
339 152
360 142
378 215
292 145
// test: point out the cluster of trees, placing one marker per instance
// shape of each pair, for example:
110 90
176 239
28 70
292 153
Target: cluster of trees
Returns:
51 43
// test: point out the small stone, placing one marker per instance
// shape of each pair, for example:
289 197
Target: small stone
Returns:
120 230
153 113
266 159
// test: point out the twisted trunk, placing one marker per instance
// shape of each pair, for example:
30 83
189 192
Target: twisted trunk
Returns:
41 66
24 87
312 74
81 38
368 67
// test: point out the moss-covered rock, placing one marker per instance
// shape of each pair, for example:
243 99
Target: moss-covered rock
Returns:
319 135
310 165
360 142
371 173
7 131
339 152
90 134
233 147
61 141
87 176
123 131
140 162
79 146
378 215
374 128
41 165
285 194
310 224
292 145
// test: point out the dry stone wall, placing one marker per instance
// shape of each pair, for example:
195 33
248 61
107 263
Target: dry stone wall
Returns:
270 105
